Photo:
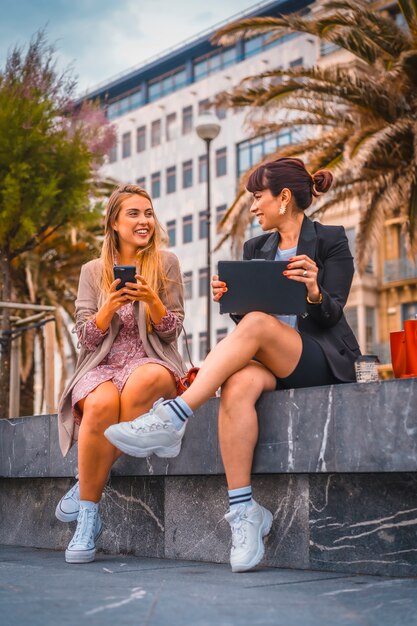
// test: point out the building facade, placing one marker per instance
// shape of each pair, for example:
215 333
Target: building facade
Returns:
155 107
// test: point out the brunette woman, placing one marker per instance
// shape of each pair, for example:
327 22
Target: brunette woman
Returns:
265 352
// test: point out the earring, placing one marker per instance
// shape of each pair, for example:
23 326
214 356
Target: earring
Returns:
282 209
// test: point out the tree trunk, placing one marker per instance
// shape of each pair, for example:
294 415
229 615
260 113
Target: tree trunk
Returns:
6 292
27 392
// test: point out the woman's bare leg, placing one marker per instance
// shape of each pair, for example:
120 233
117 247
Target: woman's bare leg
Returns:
100 409
144 386
273 343
238 421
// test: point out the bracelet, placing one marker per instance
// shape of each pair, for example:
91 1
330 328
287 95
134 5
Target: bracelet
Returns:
319 301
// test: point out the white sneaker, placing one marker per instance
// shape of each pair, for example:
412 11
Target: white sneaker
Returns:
249 524
68 507
151 433
82 547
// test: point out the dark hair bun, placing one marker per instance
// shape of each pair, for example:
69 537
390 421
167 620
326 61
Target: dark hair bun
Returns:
323 180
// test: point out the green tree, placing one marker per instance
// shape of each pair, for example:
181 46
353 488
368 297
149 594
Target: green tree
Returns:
50 151
358 118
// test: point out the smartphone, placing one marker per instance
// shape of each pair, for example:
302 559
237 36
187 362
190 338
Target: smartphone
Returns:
126 273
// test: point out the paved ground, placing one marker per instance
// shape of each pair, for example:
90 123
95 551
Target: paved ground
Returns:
38 588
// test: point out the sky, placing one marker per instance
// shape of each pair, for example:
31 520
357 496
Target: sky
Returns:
102 38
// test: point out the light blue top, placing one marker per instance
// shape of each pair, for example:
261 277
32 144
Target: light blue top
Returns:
284 255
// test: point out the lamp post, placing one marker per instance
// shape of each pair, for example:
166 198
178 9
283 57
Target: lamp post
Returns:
207 128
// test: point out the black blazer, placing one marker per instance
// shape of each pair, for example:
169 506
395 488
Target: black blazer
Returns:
325 322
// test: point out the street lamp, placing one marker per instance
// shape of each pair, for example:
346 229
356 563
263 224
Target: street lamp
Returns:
207 128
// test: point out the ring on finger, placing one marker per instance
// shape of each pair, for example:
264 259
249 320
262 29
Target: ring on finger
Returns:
304 273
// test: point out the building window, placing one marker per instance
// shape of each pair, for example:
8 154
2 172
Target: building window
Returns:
351 314
202 168
187 357
408 311
221 162
202 345
187 174
171 122
156 133
203 106
221 333
297 62
351 237
188 285
214 62
141 182
187 229
172 233
220 212
202 281
221 112
250 152
113 153
126 103
369 329
263 42
126 145
171 179
187 120
202 225
163 85
156 185
141 139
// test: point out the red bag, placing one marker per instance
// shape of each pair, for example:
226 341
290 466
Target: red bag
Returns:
187 380
404 350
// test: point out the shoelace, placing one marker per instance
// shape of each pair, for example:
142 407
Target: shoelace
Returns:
85 527
141 423
239 528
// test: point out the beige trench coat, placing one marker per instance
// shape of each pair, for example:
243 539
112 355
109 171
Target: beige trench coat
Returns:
160 345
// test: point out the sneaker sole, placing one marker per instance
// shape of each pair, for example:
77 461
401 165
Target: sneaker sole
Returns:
82 556
168 452
264 530
65 517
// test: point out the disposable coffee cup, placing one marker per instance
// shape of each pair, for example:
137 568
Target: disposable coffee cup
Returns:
366 368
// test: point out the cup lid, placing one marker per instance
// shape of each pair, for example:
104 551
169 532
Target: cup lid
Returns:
368 358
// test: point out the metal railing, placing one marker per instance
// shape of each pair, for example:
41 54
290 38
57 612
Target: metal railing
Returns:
43 318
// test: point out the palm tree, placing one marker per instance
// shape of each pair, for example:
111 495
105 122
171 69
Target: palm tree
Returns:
358 119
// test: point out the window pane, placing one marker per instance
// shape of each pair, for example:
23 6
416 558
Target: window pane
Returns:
202 225
171 179
203 105
126 145
172 232
220 211
221 333
156 133
141 139
203 281
187 174
156 185
187 229
113 153
221 162
202 345
141 182
188 285
202 169
171 125
187 120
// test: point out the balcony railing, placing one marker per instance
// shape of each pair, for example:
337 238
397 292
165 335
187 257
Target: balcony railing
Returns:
400 269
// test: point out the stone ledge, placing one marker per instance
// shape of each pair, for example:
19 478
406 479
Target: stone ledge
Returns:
341 428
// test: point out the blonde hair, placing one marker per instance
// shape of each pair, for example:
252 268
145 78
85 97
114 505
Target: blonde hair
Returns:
149 258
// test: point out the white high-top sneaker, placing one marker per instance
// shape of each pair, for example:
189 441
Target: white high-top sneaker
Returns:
82 547
68 507
249 525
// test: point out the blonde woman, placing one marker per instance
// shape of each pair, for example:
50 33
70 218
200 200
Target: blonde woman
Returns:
128 357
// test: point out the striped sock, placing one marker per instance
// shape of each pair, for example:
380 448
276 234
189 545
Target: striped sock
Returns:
179 411
243 495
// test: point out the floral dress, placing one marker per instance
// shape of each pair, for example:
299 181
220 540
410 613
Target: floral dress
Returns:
126 354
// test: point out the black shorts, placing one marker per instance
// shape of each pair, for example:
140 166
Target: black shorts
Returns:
312 370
